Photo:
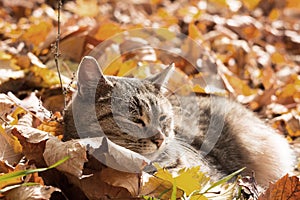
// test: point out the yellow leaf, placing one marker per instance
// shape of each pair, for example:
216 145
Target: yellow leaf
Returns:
278 58
194 32
37 33
12 140
187 180
11 181
239 86
275 14
250 4
18 111
43 77
198 89
293 4
107 30
288 91
191 179
114 67
220 2
126 67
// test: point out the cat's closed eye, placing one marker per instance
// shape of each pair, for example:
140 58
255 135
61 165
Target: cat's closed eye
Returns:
139 121
162 118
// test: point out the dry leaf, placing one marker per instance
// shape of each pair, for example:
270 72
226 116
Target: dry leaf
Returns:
84 8
36 192
7 152
155 187
115 156
32 151
37 33
107 30
94 188
121 179
285 188
53 125
6 106
56 150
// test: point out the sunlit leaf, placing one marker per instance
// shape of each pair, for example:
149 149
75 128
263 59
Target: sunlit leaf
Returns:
251 4
268 77
37 33
107 30
220 2
278 58
84 8
187 180
12 140
240 86
126 67
194 32
285 188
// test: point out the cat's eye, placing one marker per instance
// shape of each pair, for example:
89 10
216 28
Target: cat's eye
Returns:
162 118
139 121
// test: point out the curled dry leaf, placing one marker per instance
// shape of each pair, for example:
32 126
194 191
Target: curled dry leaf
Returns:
115 156
56 150
31 135
35 192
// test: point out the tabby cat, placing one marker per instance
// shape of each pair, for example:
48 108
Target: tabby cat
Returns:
218 134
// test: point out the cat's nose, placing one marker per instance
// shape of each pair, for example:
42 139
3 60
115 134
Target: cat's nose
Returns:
158 139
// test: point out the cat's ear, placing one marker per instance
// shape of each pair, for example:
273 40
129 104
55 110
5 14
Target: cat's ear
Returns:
161 80
90 73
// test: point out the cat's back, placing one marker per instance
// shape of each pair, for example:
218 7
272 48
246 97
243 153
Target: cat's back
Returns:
231 137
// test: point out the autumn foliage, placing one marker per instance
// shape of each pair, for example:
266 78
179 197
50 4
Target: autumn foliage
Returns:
249 49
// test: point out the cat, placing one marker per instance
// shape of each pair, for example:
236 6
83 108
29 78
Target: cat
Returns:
218 134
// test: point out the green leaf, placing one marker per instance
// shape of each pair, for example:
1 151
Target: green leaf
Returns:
225 179
18 174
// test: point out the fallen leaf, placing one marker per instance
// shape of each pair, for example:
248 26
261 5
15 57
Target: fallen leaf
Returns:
107 30
285 188
56 150
125 180
37 33
35 192
6 106
84 8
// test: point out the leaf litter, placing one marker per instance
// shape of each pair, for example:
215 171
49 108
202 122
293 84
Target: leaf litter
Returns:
252 46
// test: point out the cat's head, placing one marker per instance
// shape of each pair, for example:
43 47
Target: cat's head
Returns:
132 113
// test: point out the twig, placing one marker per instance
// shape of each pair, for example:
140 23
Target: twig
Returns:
56 50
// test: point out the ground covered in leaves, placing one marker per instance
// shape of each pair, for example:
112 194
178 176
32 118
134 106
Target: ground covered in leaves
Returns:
248 50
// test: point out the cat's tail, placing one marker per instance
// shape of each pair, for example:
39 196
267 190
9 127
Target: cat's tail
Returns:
271 155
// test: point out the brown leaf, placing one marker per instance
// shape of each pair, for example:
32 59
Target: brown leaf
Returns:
268 77
285 188
56 150
6 106
125 180
36 192
293 125
94 188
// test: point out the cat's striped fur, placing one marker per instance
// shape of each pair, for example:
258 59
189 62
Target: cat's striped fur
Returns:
218 134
